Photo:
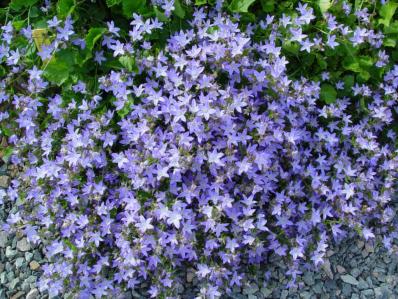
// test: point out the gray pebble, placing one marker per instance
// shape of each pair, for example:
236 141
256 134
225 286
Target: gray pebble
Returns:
250 289
10 253
14 283
362 284
3 239
33 294
349 279
28 256
4 181
346 290
367 293
267 292
23 245
305 295
284 294
19 262
308 278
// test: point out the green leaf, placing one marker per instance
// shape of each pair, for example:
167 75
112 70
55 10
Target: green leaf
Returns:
240 5
328 93
6 154
349 81
70 245
18 25
200 2
387 11
352 64
392 29
111 3
268 5
132 6
93 35
178 9
389 42
65 7
160 15
19 4
324 5
60 66
128 62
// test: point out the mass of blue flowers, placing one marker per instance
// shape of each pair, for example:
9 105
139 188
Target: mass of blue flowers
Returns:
230 141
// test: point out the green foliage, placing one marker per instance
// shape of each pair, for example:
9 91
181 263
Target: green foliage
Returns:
60 66
240 5
387 12
328 93
324 5
93 35
65 7
17 5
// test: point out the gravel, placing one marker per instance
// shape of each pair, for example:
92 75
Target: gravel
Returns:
19 269
353 269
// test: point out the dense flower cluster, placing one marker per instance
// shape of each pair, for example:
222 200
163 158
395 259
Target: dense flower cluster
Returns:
209 156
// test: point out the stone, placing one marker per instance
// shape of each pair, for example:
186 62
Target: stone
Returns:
362 284
369 248
340 269
308 278
31 279
355 272
381 293
10 253
18 295
33 265
367 293
349 279
250 289
33 294
360 244
251 296
317 288
4 181
267 292
354 296
3 239
19 262
346 290
3 278
28 256
14 283
190 276
305 295
23 245
284 294
326 267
